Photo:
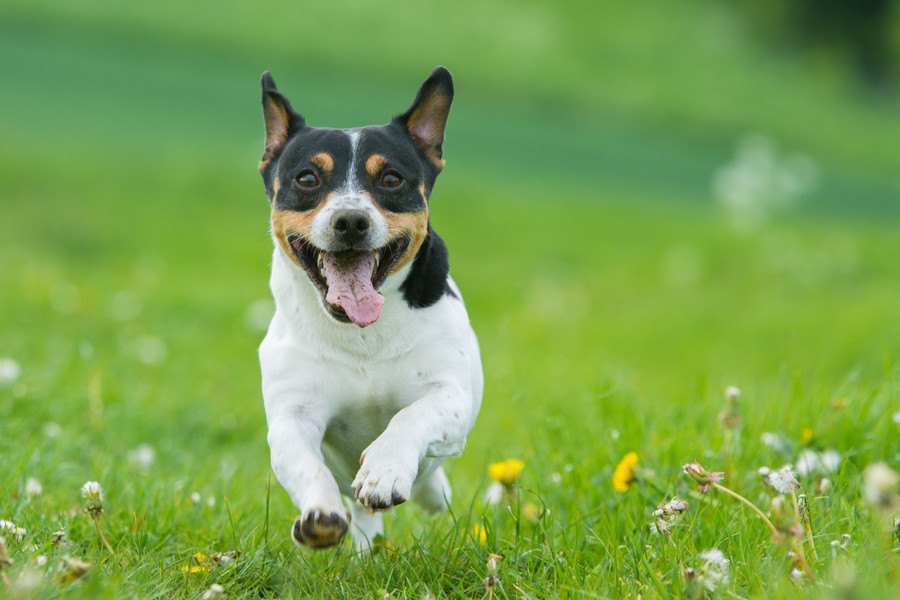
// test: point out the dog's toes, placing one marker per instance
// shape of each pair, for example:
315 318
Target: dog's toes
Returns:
320 528
380 491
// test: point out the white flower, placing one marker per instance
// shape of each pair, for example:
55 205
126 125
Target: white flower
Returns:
880 485
210 501
9 371
555 478
195 497
715 570
831 461
667 514
732 394
797 574
52 429
494 494
92 492
783 480
773 441
16 532
40 560
215 592
33 487
808 462
142 456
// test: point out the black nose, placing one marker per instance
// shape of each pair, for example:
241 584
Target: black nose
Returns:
350 226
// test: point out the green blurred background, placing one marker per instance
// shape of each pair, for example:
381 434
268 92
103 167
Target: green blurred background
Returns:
644 202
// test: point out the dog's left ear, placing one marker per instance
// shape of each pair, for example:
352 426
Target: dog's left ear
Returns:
281 120
427 117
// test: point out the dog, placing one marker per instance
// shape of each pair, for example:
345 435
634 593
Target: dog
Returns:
371 371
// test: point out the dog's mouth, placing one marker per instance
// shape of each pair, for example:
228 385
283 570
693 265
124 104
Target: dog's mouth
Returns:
349 280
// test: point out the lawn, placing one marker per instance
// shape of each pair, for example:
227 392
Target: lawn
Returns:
614 297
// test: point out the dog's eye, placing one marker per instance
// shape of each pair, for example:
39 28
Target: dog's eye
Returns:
307 180
390 181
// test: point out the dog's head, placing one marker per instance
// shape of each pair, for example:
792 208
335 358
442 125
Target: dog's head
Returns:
350 207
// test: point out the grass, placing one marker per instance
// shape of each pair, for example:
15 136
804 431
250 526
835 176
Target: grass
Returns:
613 301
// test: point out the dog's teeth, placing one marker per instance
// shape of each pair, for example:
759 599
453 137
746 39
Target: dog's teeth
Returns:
377 257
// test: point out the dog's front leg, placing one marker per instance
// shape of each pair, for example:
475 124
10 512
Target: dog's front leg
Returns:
433 426
295 441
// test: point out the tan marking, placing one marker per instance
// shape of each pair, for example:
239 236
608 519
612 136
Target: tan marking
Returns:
413 225
422 191
325 162
276 185
375 163
287 222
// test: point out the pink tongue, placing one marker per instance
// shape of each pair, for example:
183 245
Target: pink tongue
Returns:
350 286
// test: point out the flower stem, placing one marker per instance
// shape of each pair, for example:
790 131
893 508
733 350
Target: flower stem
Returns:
740 498
103 538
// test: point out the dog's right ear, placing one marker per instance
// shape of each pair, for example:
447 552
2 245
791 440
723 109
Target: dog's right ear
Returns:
281 120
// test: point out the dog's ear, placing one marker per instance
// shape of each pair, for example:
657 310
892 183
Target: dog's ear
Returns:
426 118
281 120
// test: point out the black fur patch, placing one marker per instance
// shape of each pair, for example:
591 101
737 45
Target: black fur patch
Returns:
427 279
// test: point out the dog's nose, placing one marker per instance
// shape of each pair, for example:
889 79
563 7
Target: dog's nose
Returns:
350 226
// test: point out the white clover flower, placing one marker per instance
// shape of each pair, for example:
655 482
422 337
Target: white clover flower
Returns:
732 393
880 485
494 494
10 371
783 480
17 532
715 570
142 457
92 492
215 592
33 488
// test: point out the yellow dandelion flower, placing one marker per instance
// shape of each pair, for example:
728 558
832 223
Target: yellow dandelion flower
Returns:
807 435
479 534
623 475
506 471
201 564
531 511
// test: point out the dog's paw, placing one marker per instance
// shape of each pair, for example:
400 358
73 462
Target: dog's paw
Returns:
319 528
383 480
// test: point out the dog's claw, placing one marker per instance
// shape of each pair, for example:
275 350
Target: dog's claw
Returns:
318 529
383 481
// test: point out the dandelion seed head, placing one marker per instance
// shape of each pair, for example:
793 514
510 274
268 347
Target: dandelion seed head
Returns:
10 371
880 485
830 461
33 488
195 497
732 393
783 480
495 493
92 491
142 456
808 462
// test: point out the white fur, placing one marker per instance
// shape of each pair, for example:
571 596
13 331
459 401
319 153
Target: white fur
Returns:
401 394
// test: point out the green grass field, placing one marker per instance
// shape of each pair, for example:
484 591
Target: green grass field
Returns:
615 299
